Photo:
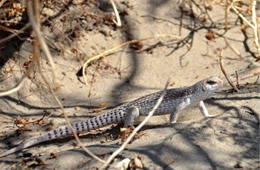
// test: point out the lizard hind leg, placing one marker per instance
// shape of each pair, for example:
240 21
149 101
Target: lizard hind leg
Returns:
173 117
131 114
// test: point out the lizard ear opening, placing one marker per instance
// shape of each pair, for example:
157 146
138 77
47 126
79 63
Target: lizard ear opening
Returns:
211 82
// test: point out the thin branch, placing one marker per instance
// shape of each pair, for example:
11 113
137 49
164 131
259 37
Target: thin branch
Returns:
227 6
136 129
240 15
253 25
69 124
232 48
41 39
2 2
16 33
253 74
37 55
118 23
255 28
221 63
15 89
237 80
116 48
8 29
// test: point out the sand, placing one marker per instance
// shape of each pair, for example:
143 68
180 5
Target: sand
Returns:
81 30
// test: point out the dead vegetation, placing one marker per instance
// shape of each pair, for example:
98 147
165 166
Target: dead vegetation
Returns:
55 27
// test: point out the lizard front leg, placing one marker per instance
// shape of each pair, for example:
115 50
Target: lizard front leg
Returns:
204 110
131 114
182 105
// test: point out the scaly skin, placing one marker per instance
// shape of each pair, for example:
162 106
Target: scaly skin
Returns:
175 100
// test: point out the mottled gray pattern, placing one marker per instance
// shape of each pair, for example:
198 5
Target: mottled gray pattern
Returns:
170 104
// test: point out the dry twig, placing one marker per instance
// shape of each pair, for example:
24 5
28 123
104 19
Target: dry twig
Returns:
232 48
116 48
15 89
240 15
118 20
254 26
224 71
252 74
37 55
2 2
136 129
15 33
227 6
41 39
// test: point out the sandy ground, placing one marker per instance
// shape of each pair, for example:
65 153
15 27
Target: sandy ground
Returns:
78 31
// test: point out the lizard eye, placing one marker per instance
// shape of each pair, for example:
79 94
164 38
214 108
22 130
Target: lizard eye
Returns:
211 82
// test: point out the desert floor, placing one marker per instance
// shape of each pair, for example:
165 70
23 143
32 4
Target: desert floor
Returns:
178 41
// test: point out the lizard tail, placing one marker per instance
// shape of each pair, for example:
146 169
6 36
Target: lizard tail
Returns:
60 132
107 118
26 144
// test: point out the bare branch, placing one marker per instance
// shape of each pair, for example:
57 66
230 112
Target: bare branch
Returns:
253 25
37 56
15 89
221 63
136 129
240 15
16 33
2 2
255 28
118 23
41 39
114 49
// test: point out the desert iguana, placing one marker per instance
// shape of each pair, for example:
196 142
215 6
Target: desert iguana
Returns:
175 100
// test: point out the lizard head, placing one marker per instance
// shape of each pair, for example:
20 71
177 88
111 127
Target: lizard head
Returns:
211 84
208 86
